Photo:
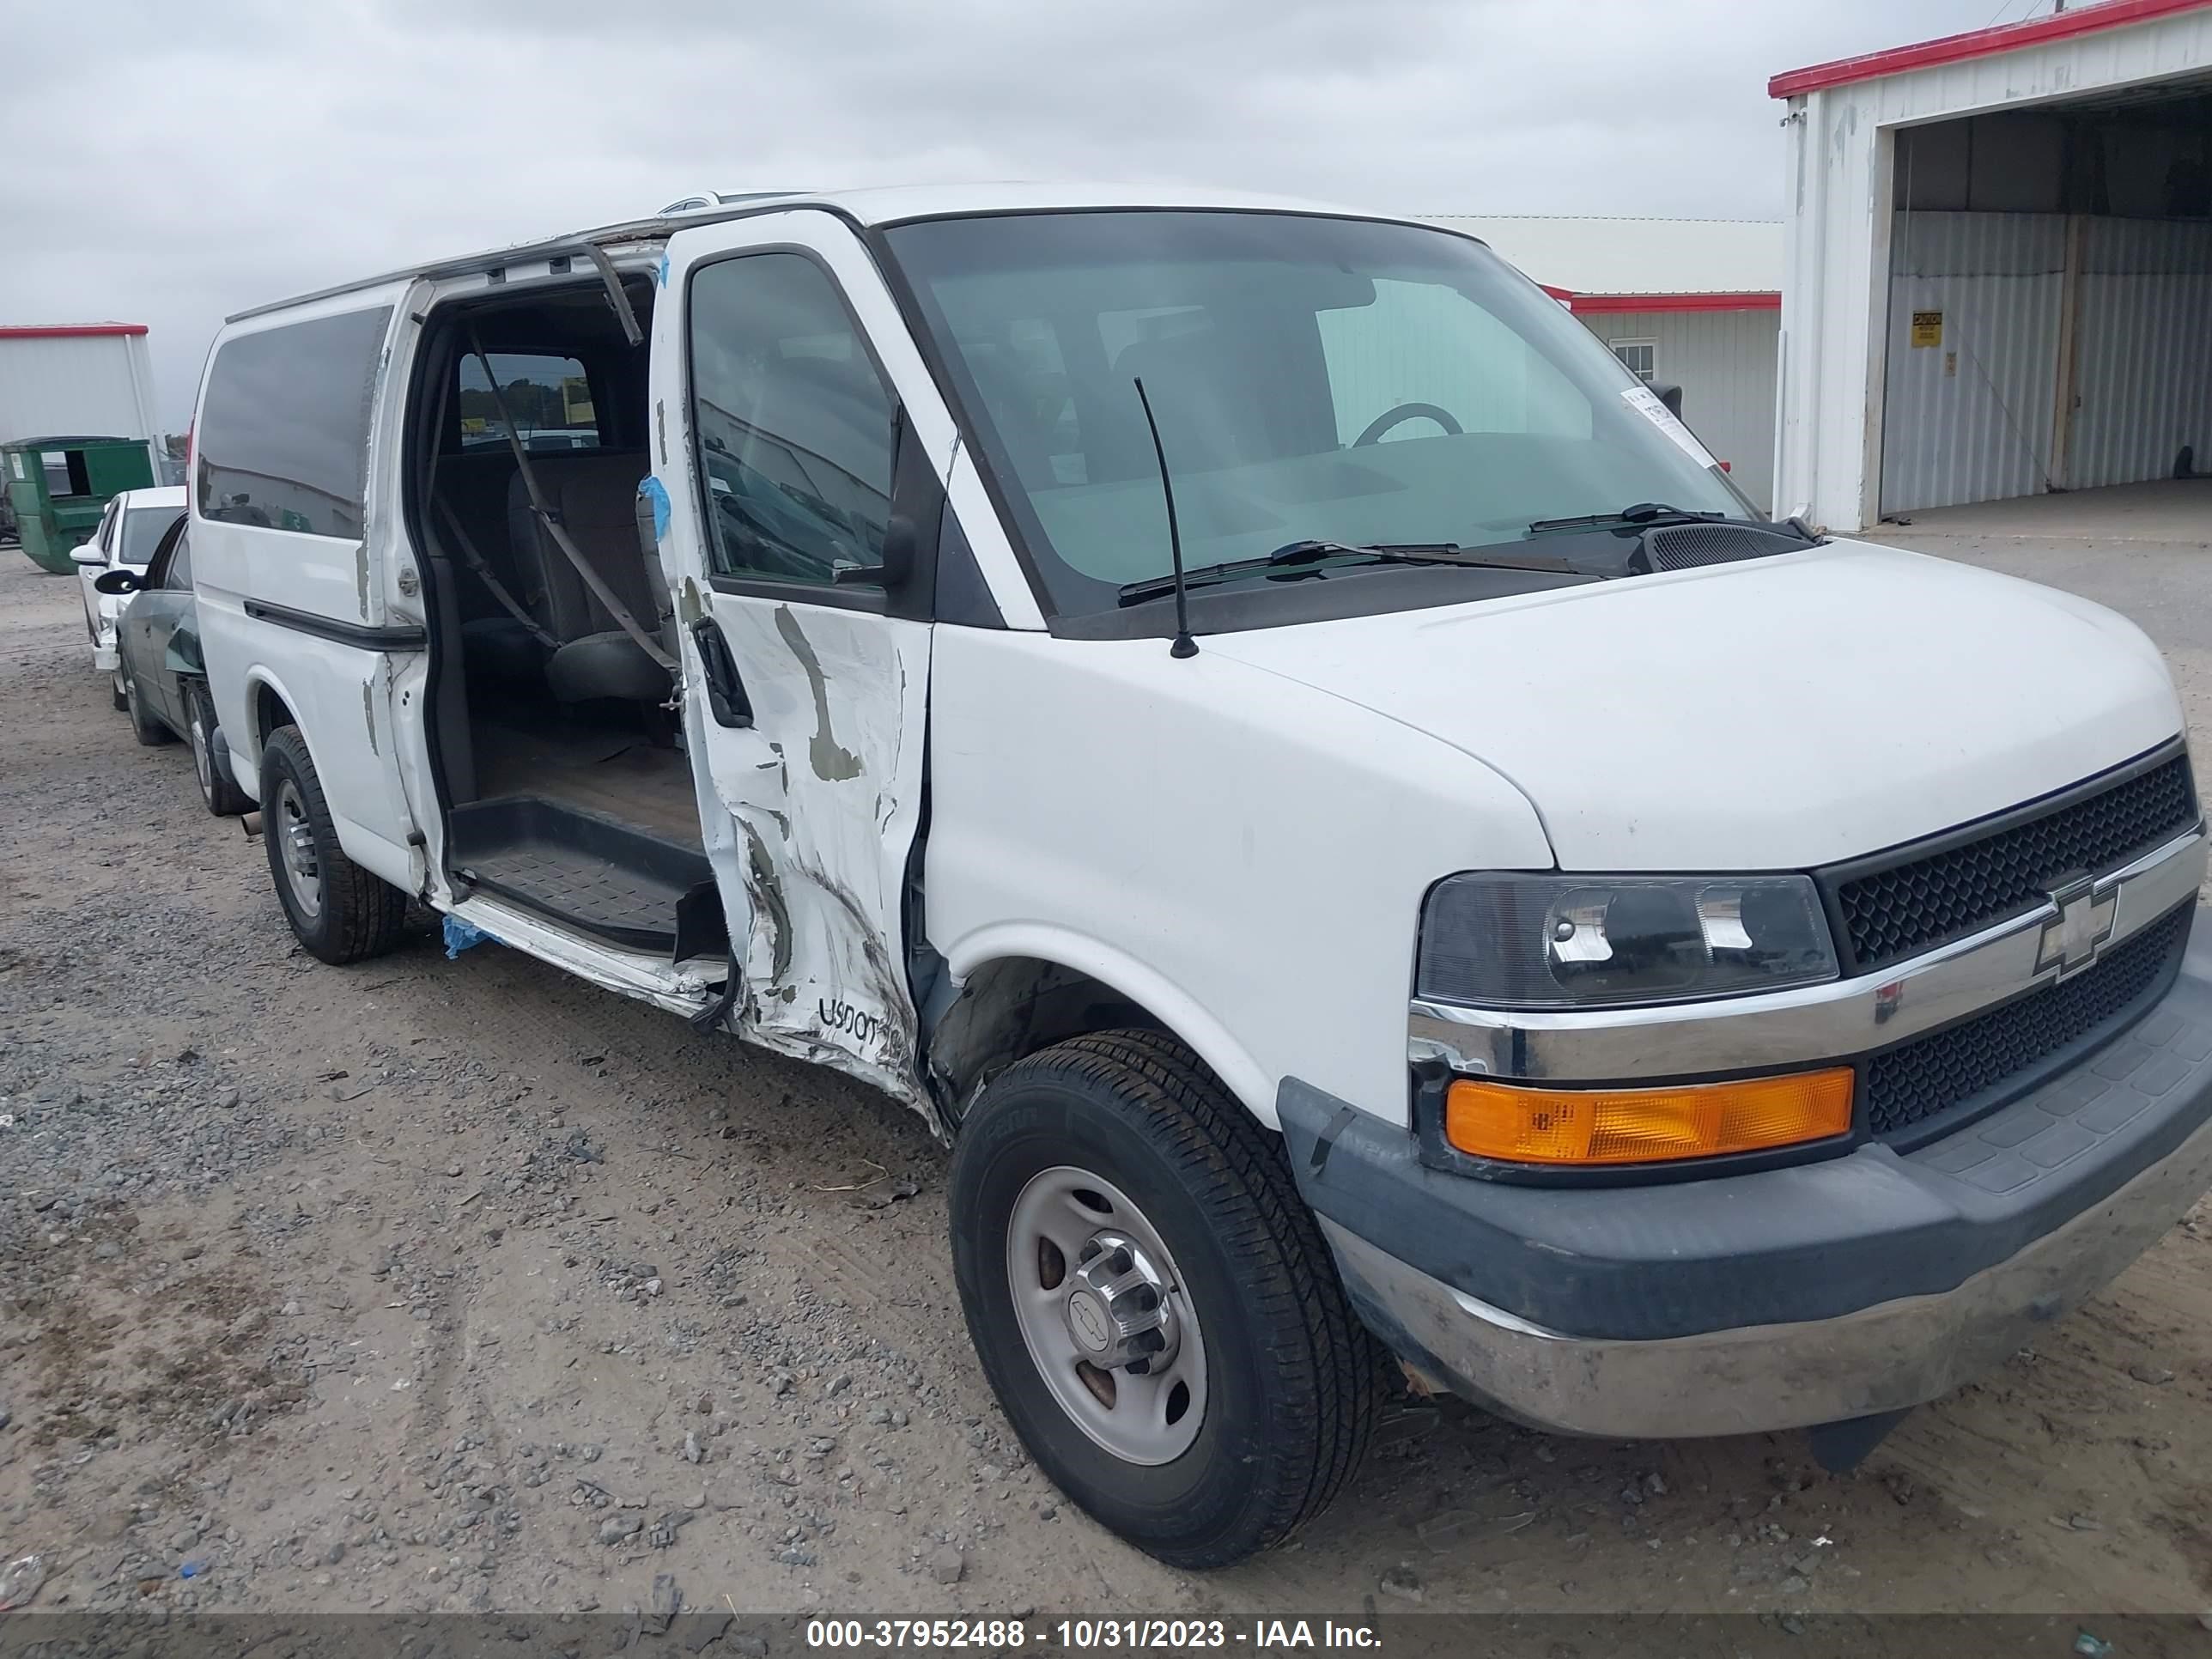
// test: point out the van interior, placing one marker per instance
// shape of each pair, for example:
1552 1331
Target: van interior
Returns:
565 786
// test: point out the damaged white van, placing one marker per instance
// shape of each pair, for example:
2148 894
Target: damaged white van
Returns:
1300 767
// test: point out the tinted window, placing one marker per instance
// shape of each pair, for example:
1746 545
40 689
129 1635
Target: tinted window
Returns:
283 432
178 575
794 425
142 532
548 397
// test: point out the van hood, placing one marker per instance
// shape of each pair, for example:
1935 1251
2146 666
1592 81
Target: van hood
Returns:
1772 714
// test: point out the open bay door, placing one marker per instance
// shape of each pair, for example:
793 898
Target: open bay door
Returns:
800 443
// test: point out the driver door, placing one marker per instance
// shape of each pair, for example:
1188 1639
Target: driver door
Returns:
793 422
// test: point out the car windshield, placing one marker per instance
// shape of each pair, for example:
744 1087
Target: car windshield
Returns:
143 530
1313 378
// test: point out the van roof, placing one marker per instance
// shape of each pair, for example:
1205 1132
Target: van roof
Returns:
881 205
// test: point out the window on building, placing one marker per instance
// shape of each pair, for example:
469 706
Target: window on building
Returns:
1640 356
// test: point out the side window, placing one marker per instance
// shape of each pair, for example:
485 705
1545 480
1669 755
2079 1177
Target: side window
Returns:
549 399
1427 344
104 537
795 426
282 441
179 575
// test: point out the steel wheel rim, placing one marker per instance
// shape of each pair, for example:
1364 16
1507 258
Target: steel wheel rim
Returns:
1148 1419
202 762
295 842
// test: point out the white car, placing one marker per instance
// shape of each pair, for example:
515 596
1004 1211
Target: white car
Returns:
129 532
1293 760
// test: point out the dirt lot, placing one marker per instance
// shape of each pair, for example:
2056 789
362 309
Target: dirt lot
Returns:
444 1284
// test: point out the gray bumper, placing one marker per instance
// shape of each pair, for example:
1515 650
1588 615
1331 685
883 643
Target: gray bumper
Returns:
1788 1297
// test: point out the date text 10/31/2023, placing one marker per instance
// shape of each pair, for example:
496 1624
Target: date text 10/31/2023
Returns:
1091 1635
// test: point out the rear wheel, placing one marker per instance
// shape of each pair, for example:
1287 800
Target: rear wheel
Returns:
145 725
217 787
1153 1302
338 911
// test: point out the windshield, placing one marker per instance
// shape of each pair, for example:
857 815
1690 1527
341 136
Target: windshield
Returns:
143 531
1313 378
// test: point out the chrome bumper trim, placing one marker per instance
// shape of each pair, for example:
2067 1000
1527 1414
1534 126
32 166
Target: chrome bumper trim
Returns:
1829 1021
1881 1358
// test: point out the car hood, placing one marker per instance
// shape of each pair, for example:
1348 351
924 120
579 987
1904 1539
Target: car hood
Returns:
1772 715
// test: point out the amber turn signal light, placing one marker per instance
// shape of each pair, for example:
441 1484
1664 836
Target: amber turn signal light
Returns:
1565 1126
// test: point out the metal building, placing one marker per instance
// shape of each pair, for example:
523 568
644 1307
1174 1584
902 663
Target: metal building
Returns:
1997 275
1687 302
78 379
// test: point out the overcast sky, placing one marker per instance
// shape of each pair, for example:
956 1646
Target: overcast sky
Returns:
167 164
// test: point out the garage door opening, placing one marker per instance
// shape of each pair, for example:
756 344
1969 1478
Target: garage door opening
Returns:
2050 302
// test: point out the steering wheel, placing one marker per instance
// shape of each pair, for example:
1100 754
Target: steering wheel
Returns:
1390 417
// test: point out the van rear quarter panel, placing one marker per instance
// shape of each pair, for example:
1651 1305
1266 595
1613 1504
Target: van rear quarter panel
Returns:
1243 856
338 694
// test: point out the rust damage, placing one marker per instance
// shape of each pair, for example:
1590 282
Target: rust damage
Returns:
832 763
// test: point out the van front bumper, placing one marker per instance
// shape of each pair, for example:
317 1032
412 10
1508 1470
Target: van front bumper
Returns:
1789 1297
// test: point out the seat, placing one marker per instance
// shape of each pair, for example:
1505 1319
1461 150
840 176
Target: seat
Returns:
594 496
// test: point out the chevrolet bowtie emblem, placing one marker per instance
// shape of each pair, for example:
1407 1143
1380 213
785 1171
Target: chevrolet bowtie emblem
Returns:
2071 938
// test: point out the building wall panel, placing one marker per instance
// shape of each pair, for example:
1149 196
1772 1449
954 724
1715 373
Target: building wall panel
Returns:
1968 417
2142 352
75 386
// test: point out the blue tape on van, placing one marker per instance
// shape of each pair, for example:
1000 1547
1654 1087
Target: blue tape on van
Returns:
655 492
461 935
660 271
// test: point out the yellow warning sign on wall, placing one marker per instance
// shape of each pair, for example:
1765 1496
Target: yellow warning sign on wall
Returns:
1926 328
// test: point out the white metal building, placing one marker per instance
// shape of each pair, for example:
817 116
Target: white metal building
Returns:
81 380
1687 302
1998 265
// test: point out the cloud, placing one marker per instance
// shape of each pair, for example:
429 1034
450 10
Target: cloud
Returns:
169 165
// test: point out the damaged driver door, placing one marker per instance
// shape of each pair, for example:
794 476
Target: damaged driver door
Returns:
791 414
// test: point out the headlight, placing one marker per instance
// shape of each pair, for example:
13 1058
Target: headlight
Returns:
1512 941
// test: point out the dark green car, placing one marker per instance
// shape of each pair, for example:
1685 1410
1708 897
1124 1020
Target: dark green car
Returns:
157 640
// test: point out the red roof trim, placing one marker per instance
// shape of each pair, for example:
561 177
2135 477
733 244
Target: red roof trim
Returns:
1583 303
1976 43
68 331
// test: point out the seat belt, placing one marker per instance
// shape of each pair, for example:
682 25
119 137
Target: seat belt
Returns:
569 550
470 556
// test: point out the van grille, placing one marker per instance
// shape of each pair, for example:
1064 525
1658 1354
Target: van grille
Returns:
1976 1066
1922 902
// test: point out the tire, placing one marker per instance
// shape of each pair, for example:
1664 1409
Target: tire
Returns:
145 725
1289 1382
338 911
115 690
218 789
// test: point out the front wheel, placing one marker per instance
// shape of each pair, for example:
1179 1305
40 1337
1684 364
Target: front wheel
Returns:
1153 1302
338 911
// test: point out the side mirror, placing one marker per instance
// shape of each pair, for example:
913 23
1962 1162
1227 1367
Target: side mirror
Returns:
118 582
1672 396
87 554
899 541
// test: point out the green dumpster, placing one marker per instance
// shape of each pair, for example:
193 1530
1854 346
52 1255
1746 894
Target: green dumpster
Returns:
58 487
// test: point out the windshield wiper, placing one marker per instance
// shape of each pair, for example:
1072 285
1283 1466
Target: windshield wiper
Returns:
1642 513
1311 552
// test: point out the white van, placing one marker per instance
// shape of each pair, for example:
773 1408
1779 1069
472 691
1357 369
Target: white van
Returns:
1649 969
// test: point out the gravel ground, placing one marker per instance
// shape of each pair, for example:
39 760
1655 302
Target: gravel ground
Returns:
458 1285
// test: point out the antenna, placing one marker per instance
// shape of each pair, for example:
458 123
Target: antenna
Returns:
1184 646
